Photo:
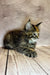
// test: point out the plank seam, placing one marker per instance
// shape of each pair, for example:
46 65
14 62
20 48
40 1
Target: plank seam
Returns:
15 62
41 67
37 64
6 62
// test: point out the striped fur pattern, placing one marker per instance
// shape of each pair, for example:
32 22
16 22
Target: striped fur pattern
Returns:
23 41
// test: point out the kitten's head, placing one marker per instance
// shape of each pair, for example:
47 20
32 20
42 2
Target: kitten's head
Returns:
32 31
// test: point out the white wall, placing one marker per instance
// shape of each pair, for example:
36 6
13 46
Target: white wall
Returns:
14 12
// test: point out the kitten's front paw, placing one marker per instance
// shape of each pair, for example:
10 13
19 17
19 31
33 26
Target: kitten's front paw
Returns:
31 54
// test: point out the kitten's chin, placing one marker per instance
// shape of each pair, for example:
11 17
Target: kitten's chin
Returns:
33 40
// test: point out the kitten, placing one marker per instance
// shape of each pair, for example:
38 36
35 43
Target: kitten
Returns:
23 41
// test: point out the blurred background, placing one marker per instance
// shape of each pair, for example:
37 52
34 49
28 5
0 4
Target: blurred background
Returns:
13 14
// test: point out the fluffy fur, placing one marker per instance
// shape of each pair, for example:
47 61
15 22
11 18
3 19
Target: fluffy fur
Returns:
23 41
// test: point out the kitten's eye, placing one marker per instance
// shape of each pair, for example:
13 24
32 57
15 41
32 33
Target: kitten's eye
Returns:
34 34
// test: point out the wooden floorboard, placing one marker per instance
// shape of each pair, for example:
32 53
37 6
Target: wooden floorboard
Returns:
38 70
19 64
48 47
44 49
43 60
3 56
12 66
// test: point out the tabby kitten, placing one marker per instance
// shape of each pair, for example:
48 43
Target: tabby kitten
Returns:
23 41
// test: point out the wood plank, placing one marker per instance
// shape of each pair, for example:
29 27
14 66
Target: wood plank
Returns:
48 47
3 56
12 68
44 49
43 60
21 65
38 70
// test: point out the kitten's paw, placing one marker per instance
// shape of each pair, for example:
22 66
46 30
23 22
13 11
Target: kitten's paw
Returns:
31 54
27 52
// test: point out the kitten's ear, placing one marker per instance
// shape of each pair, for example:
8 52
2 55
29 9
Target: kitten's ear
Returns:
28 25
38 24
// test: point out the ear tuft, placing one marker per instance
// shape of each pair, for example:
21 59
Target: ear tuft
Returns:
38 24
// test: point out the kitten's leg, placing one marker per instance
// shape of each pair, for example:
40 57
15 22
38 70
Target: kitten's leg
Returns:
30 52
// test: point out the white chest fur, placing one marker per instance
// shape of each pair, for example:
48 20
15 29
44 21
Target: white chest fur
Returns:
32 40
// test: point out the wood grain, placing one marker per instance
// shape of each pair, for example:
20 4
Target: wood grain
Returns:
12 65
44 49
19 64
3 56
22 65
43 60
